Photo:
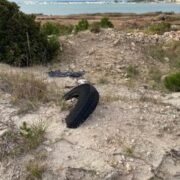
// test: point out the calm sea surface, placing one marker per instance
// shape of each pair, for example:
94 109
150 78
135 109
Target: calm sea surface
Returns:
64 8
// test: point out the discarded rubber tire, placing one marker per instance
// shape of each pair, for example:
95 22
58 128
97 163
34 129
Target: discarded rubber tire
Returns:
88 98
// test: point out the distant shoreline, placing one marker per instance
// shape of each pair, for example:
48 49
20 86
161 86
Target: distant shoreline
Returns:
120 20
92 8
110 14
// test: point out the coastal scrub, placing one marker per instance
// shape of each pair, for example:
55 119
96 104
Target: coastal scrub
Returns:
21 41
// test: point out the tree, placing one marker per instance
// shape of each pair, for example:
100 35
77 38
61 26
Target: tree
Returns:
21 41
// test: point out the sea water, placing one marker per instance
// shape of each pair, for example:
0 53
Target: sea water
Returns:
60 7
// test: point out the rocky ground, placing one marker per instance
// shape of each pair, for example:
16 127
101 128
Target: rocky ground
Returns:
133 133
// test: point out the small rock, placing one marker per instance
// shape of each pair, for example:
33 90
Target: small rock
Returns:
116 42
2 132
82 81
113 176
148 154
123 158
48 149
47 142
128 167
92 51
72 66
166 59
131 160
133 44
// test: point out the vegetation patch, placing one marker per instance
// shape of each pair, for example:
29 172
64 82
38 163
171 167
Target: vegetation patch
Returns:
106 23
158 28
16 141
33 135
21 41
82 25
132 71
106 99
95 27
129 150
155 74
52 28
168 52
35 170
103 80
28 91
172 82
150 99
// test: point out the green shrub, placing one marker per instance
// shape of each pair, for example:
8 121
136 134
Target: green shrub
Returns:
17 141
21 41
65 29
32 135
82 25
95 27
51 28
132 71
106 23
172 82
159 28
53 45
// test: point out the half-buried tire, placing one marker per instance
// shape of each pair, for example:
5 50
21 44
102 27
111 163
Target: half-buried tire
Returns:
88 98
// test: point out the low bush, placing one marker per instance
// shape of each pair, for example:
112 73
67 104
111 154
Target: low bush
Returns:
65 29
16 141
132 71
53 46
95 27
82 25
32 135
51 28
172 82
106 23
21 41
159 28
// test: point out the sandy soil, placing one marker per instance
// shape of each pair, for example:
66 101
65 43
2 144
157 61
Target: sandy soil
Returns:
133 133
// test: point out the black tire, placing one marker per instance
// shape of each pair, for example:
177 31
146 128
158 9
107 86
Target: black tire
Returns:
88 98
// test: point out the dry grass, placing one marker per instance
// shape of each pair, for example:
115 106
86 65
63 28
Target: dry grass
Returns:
158 28
132 72
16 141
112 98
155 74
9 140
169 50
28 91
129 150
150 99
34 169
103 80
